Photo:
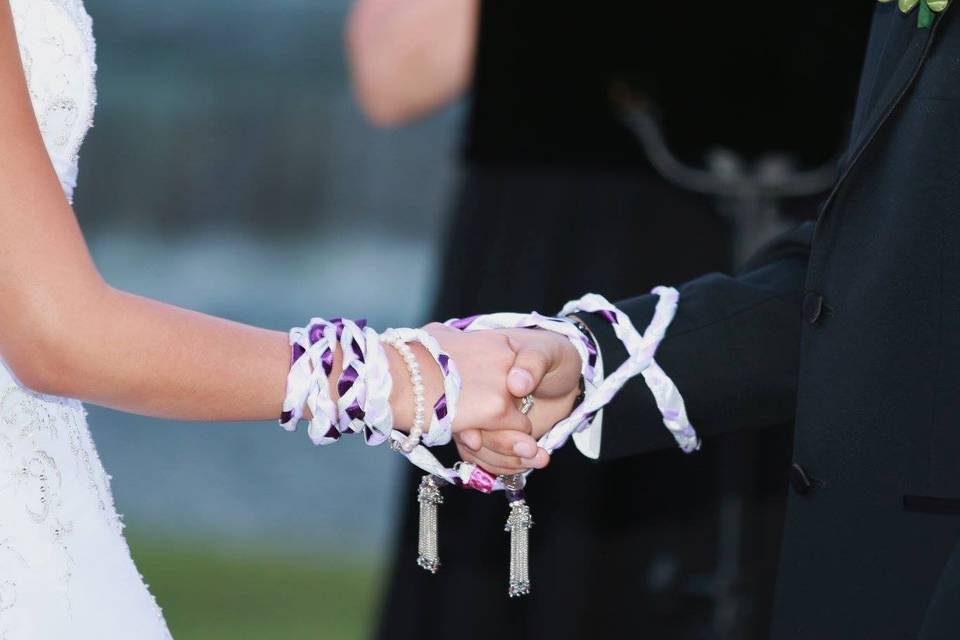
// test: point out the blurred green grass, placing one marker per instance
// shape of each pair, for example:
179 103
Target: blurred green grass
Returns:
209 593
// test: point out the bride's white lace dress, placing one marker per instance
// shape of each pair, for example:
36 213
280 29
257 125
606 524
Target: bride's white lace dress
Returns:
65 568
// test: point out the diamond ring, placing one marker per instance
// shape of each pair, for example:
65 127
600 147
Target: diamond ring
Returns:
526 403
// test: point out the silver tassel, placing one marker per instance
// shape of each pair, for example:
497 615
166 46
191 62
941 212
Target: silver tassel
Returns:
518 525
430 500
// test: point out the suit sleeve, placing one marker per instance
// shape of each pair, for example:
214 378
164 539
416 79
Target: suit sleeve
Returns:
732 350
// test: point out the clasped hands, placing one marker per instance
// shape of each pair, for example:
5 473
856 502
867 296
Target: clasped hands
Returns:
497 368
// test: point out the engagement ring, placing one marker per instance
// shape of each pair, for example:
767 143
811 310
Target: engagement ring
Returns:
526 403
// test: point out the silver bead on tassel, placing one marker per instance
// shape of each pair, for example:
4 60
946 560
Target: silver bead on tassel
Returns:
430 500
518 525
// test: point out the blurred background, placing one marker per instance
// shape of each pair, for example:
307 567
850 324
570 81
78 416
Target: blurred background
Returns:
228 163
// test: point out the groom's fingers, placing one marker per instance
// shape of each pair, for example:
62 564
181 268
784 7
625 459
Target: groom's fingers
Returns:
530 366
501 413
472 439
520 382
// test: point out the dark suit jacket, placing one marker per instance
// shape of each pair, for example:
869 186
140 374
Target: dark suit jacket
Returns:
853 326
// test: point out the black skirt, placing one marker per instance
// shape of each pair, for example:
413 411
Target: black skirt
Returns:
634 544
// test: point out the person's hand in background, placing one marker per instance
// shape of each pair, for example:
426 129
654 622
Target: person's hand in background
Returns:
408 59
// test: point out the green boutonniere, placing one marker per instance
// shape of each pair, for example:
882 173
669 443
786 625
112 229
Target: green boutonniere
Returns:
927 9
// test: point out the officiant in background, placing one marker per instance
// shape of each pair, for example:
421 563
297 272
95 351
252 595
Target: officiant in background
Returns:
610 149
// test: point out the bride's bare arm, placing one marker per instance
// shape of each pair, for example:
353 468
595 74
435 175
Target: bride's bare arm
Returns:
65 331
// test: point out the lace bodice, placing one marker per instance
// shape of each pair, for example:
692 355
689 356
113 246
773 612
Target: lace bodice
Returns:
65 568
57 50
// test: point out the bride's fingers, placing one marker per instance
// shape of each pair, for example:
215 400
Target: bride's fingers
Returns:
495 470
474 457
507 464
539 461
498 464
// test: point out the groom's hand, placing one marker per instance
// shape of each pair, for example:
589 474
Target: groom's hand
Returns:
546 365
484 359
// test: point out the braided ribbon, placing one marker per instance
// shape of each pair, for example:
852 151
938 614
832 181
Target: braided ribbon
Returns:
379 414
311 356
364 384
352 383
641 349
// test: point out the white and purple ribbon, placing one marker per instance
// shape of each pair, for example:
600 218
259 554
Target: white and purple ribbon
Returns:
641 349
352 383
364 384
378 412
311 357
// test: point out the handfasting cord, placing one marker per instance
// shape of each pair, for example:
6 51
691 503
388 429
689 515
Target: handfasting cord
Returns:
597 392
364 391
641 349
363 385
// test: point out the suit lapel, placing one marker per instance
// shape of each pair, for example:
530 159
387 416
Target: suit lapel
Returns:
896 54
895 58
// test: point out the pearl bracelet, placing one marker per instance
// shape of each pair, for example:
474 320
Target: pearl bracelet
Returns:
444 410
413 368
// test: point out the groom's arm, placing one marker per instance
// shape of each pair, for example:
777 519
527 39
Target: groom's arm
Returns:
732 350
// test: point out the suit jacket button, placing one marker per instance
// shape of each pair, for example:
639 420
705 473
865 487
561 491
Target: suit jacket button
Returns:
812 307
799 480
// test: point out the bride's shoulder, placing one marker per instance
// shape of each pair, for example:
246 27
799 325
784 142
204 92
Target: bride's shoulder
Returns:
57 50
